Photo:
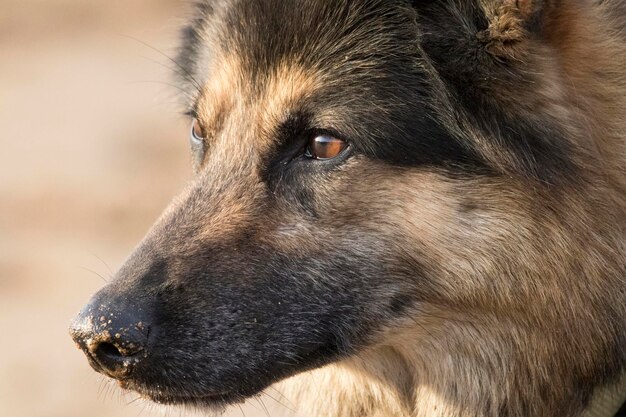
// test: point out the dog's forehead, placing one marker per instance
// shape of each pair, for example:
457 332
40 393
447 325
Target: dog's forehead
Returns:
255 39
316 33
256 62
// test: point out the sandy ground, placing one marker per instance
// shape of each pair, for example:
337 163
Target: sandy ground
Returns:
92 149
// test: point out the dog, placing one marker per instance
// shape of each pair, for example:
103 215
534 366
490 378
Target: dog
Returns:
400 208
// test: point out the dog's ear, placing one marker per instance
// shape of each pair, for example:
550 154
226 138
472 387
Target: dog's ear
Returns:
511 22
497 64
500 26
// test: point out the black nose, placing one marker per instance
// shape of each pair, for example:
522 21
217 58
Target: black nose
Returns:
114 339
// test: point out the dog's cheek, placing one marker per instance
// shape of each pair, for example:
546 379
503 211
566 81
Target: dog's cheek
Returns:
403 218
433 233
454 240
374 233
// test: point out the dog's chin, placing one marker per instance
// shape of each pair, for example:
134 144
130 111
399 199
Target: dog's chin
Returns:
213 401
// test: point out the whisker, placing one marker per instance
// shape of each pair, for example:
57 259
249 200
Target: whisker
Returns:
178 65
94 272
260 400
104 263
134 400
281 395
279 402
168 67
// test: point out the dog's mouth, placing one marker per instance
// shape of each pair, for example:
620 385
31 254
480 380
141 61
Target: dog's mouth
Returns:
214 400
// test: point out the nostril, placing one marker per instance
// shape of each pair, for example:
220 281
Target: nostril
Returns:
113 359
107 350
114 350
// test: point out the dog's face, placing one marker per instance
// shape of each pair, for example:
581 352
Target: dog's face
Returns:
357 162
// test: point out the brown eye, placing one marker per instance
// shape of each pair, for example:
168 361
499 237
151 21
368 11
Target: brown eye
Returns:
196 131
324 147
197 144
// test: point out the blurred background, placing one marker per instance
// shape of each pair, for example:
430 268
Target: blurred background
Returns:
92 148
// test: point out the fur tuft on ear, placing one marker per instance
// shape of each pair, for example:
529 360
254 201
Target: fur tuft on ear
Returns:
510 22
525 7
497 60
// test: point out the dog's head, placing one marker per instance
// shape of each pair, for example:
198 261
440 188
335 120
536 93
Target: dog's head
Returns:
362 167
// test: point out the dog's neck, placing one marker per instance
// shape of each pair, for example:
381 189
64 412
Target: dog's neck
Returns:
608 400
388 383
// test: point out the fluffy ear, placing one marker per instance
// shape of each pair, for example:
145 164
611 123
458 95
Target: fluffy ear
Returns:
495 62
525 9
511 22
499 25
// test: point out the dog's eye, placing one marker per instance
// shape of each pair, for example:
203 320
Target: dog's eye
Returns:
324 147
198 145
197 135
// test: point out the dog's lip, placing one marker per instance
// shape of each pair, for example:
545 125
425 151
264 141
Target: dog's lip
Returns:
158 396
175 399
